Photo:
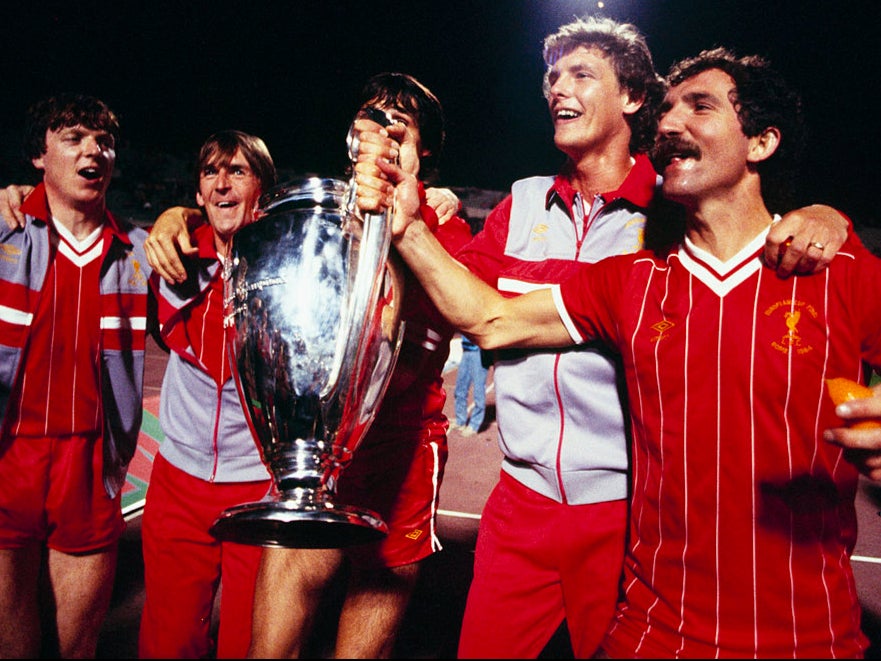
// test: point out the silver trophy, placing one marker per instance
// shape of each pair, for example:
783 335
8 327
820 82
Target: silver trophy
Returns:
313 302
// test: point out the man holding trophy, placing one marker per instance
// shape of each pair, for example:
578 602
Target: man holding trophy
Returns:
398 467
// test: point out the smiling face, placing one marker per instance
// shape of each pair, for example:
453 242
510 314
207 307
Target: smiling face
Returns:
229 193
701 149
77 166
588 106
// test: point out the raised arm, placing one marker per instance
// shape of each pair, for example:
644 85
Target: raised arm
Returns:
470 304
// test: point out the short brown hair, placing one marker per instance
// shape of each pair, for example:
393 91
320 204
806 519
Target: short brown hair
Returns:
220 148
62 111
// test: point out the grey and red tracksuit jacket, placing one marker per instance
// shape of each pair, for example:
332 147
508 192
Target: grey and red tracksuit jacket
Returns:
207 433
561 414
25 255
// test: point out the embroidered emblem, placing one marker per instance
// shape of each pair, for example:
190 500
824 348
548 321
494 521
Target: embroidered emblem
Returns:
538 232
791 312
414 534
9 253
137 279
661 327
791 338
640 235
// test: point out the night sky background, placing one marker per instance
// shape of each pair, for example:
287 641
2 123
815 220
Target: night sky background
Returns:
290 71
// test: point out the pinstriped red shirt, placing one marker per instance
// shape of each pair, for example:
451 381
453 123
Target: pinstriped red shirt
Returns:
743 519
60 386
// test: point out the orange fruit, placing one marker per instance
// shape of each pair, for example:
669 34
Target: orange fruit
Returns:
843 390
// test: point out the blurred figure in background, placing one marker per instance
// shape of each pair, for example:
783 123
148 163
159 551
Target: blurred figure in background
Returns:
470 377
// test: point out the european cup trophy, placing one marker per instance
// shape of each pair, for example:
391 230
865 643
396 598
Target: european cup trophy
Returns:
312 308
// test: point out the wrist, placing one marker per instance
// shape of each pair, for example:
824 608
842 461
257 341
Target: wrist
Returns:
194 218
428 214
413 233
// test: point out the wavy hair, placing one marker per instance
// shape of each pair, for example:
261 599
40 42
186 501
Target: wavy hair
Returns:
628 52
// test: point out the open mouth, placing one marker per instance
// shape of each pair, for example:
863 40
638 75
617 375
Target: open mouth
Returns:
564 114
668 151
92 174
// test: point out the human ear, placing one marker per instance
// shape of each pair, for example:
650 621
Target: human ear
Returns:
632 104
762 146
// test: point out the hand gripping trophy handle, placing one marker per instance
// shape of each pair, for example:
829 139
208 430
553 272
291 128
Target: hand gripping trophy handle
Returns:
313 319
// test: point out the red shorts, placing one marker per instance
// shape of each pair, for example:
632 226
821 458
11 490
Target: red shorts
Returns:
184 564
537 563
398 476
52 492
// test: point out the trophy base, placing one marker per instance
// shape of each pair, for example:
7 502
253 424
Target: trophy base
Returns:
283 524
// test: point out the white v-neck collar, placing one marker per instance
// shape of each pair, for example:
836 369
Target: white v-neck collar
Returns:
723 276
80 246
80 252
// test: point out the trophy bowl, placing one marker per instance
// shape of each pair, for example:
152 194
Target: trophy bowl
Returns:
312 311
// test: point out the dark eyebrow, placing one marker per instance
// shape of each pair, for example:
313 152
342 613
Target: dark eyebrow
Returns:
699 95
578 67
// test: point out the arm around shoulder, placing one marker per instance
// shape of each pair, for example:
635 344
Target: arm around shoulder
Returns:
807 239
169 242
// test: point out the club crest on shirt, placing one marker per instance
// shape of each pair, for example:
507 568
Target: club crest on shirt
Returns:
661 327
790 314
137 278
10 253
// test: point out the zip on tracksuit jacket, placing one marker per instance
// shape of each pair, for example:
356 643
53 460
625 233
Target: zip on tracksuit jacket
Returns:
25 255
206 432
560 413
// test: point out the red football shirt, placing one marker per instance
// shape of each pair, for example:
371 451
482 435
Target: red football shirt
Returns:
742 519
59 390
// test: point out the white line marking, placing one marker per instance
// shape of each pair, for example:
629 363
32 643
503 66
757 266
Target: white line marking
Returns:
459 515
136 510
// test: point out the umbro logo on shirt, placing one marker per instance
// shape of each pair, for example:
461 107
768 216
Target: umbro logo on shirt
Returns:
10 253
661 327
